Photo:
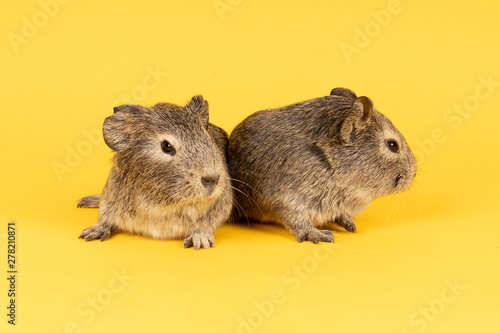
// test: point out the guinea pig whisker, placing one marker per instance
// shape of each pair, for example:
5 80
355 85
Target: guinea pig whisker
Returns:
392 210
411 203
399 203
422 175
416 203
416 182
240 209
249 198
395 208
242 182
252 175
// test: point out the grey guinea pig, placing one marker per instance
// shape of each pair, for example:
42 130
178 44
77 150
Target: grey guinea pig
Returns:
316 162
169 178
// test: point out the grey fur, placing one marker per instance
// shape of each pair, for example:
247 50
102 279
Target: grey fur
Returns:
316 162
156 194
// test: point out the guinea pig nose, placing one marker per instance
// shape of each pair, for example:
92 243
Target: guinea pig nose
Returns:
210 181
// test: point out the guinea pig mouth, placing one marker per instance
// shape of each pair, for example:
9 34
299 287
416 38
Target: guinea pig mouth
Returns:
398 179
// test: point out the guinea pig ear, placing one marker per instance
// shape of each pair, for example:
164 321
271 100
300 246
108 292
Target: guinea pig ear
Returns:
366 105
362 113
128 108
199 106
344 92
116 131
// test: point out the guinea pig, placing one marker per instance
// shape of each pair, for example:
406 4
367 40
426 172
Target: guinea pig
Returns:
169 178
316 162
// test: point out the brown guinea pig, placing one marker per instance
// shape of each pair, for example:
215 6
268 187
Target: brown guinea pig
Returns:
316 162
169 178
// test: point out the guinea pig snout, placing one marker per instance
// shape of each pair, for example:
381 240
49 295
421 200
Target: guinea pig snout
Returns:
403 181
209 182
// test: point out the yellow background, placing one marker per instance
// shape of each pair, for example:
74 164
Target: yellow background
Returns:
63 78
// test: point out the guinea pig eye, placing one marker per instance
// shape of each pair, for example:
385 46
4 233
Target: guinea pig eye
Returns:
392 145
167 148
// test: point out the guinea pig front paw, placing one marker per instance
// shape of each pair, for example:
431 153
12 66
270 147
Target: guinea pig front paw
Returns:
314 235
346 222
200 239
100 231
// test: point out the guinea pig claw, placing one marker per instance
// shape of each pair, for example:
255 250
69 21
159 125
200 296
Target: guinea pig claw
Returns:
100 231
199 240
347 223
314 235
188 242
327 232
